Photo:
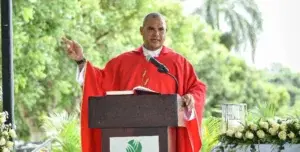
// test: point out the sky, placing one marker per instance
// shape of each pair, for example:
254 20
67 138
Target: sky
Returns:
279 40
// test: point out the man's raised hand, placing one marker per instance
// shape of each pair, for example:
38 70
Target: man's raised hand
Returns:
73 49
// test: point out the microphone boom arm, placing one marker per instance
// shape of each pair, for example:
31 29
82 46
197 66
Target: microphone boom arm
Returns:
176 81
168 73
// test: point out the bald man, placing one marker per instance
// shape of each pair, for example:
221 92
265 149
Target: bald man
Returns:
132 69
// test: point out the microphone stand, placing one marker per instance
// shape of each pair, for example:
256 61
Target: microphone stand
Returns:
166 71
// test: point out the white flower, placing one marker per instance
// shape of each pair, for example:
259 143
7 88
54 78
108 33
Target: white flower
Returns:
249 135
297 125
240 128
275 125
264 124
253 126
270 120
283 126
282 135
9 145
12 133
2 141
260 134
273 131
5 149
229 132
291 135
289 121
238 135
2 119
5 133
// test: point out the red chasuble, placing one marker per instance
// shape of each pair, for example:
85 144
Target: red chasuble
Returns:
131 69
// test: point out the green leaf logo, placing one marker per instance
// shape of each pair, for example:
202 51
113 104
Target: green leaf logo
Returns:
134 146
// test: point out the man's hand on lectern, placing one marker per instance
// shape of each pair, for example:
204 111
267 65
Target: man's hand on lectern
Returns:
188 101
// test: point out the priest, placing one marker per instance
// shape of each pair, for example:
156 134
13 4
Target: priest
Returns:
131 69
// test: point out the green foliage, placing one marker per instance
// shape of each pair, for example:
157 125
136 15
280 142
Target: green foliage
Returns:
64 128
45 77
289 111
230 80
263 110
284 77
211 131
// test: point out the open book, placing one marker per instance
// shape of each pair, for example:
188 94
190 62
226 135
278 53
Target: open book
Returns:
139 90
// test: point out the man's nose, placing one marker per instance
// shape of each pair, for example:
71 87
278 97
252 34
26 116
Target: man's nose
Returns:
156 32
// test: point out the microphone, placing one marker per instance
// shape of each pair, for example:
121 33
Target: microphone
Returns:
162 69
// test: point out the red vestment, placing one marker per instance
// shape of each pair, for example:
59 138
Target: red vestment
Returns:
131 69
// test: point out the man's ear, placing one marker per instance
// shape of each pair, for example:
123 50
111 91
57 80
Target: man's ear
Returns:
141 30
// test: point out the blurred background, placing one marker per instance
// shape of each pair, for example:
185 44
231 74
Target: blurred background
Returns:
246 51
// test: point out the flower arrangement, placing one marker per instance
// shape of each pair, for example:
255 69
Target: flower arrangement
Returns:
6 134
272 131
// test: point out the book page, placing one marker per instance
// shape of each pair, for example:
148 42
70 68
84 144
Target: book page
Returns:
143 90
124 92
136 90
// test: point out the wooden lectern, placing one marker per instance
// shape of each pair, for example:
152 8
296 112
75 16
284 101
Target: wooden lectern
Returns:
137 115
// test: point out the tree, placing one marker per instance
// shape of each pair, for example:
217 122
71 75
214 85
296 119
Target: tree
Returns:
230 80
242 17
45 77
284 77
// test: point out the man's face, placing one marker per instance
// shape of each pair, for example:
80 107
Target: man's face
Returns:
153 32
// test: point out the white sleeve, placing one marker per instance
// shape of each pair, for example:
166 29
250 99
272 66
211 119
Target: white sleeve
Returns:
80 75
189 114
